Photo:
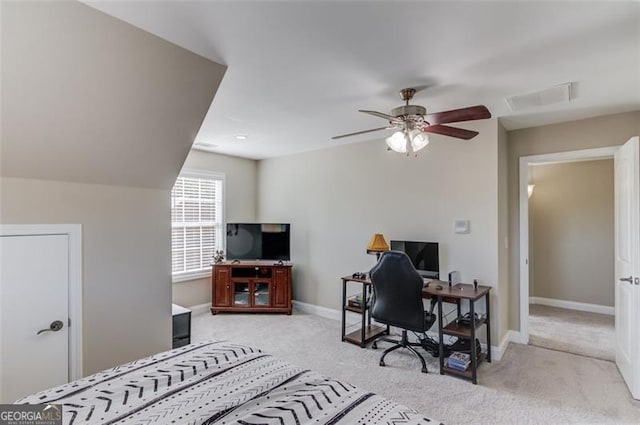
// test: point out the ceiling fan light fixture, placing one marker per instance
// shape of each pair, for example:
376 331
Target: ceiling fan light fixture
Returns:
419 140
413 124
397 142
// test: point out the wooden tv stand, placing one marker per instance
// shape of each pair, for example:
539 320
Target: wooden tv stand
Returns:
251 287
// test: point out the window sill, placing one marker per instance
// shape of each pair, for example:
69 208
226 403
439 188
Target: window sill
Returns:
185 277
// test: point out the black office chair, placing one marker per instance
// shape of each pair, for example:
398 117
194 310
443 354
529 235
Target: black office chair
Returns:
397 301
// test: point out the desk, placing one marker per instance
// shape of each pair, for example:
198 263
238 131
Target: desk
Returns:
448 294
455 294
367 331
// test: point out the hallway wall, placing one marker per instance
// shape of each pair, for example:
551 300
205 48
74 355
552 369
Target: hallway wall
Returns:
571 215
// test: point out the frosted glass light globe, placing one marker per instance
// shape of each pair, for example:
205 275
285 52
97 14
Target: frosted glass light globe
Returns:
419 140
397 142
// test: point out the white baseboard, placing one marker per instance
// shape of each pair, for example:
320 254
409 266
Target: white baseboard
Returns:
515 336
318 310
200 309
496 351
572 305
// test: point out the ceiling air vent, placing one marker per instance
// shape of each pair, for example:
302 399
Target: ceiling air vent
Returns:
557 94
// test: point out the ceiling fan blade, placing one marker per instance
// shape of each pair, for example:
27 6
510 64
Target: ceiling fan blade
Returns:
445 130
471 113
360 132
388 117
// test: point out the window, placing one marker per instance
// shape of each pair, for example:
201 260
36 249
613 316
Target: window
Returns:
196 223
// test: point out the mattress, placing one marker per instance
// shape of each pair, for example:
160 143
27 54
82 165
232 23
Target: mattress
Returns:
218 382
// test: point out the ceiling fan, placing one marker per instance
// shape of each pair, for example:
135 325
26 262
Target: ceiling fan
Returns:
413 124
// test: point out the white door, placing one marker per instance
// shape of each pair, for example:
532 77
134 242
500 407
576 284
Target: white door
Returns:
627 264
34 292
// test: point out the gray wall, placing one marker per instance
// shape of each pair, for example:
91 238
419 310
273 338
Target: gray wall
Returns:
240 205
91 99
126 260
610 130
337 198
97 119
572 232
503 229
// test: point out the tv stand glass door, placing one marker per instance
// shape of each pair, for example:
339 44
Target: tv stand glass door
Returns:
241 291
253 293
261 293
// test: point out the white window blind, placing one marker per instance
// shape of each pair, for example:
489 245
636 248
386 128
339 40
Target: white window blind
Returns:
196 223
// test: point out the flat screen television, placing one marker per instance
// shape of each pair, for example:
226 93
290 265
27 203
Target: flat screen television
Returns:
258 241
423 255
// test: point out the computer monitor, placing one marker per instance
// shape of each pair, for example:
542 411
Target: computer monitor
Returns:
423 255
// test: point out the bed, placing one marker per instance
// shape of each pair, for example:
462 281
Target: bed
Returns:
218 382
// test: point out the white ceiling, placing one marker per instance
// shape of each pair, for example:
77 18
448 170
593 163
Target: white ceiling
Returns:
299 71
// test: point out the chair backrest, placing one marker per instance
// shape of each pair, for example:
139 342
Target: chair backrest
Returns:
397 292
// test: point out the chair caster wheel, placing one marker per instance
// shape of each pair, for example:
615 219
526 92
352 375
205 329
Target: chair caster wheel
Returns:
424 370
382 363
374 346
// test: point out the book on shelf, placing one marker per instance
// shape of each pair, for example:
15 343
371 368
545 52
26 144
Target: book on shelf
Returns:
459 361
457 356
457 367
355 301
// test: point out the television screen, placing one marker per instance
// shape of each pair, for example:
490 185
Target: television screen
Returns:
258 241
423 255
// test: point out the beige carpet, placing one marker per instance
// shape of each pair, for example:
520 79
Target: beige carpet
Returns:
529 385
578 332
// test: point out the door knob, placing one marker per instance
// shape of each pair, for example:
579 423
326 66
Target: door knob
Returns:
55 326
627 279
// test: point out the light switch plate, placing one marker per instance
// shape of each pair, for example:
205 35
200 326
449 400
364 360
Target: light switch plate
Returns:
462 226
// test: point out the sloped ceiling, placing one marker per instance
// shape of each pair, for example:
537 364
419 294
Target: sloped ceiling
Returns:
89 98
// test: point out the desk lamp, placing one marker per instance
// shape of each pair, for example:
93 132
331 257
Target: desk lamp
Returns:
377 245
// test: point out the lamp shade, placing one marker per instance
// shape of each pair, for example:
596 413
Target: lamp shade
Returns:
377 244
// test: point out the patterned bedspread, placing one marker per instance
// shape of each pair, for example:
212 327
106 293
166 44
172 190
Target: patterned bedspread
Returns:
218 382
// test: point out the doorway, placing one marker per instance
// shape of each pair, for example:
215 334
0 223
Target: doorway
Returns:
626 252
571 257
41 308
546 311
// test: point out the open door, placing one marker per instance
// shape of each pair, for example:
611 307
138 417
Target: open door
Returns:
627 262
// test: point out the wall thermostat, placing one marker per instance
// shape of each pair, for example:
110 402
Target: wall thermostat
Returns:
462 226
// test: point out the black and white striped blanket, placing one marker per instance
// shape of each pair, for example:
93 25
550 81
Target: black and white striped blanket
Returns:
218 382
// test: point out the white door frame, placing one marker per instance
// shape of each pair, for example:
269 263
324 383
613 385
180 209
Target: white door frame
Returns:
74 232
525 162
